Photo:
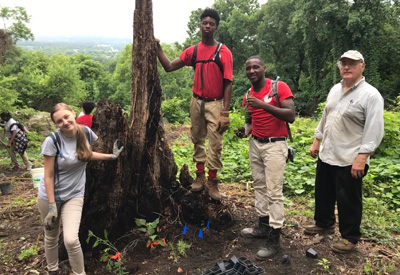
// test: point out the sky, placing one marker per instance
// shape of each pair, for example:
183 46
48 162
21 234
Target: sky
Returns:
106 18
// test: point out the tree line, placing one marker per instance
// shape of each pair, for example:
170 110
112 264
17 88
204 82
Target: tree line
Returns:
299 40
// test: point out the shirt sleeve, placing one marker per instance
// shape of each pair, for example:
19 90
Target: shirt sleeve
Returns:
227 62
374 125
284 91
186 56
93 136
48 147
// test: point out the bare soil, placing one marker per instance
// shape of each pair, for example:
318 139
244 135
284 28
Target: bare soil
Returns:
20 228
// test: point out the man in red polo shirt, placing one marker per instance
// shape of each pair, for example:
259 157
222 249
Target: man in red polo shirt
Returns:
209 108
268 152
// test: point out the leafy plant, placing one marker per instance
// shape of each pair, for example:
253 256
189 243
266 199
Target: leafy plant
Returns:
150 228
178 250
324 263
27 253
111 255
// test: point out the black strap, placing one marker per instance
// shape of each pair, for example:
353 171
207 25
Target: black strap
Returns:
20 126
274 85
215 59
55 136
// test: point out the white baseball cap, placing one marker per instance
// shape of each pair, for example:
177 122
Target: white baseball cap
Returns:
352 54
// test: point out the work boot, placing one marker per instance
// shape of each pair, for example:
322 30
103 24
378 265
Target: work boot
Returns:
344 246
261 231
272 247
313 229
198 184
212 188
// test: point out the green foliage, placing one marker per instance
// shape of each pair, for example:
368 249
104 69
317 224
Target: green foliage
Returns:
14 20
379 222
28 252
122 78
376 264
114 263
8 96
150 228
178 250
173 110
324 263
236 165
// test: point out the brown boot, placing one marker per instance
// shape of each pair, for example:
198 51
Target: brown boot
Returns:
198 184
212 188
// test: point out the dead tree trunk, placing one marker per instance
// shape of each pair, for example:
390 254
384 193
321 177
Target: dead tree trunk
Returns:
139 183
142 182
5 44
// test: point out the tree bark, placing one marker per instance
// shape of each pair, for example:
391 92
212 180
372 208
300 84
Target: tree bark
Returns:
139 183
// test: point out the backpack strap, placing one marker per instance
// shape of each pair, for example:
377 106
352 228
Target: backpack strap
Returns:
55 136
194 56
274 87
215 59
20 126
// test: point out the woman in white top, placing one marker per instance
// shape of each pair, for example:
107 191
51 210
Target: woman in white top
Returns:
62 190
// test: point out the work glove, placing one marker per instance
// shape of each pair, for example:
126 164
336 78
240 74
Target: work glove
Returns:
223 122
51 216
239 132
116 151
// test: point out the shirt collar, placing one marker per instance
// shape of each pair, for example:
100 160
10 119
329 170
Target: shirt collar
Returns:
355 85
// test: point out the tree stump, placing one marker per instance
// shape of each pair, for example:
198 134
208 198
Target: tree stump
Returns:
141 183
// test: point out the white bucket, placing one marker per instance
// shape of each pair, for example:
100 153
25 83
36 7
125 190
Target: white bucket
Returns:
37 176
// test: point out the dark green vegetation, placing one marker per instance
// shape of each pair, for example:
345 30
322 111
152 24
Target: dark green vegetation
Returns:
299 40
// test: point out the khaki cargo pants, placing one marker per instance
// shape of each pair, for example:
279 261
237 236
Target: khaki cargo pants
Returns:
204 123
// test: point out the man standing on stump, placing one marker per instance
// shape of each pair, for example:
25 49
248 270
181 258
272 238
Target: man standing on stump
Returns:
351 128
209 108
268 152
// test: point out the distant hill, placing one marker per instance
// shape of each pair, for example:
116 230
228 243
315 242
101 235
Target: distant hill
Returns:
97 47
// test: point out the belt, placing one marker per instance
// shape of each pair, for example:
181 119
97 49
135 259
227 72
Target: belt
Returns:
268 140
206 99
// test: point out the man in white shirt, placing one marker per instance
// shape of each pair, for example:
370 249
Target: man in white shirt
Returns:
351 128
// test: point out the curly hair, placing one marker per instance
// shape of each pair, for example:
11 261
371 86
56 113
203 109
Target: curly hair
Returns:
210 13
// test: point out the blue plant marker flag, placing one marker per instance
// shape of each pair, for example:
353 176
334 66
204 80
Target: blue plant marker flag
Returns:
208 224
200 233
184 229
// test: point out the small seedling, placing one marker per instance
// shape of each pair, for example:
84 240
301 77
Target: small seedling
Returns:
324 263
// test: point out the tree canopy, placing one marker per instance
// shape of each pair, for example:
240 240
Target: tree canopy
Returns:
299 40
14 22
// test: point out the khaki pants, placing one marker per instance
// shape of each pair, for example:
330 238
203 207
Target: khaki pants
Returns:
267 162
70 214
204 123
14 159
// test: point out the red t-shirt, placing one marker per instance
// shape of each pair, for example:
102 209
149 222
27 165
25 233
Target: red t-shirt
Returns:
263 124
85 120
212 75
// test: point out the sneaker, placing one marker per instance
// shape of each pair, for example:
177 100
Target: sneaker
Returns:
313 229
198 184
344 246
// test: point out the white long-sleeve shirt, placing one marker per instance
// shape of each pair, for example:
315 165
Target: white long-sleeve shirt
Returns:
352 123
